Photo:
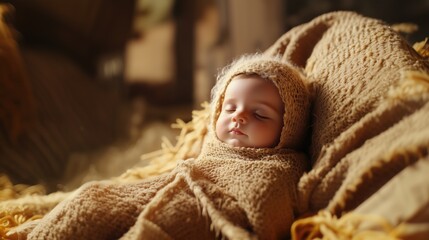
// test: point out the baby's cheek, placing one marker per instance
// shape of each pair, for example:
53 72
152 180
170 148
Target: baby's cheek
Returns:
219 128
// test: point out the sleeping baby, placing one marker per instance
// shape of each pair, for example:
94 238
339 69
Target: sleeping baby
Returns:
242 185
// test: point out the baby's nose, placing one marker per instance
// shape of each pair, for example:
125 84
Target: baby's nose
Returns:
240 117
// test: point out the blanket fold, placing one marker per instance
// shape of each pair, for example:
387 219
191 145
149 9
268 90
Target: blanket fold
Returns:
214 195
361 71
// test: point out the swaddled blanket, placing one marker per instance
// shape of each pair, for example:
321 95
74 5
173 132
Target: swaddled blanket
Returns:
233 192
229 191
369 121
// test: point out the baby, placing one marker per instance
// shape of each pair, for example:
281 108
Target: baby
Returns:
276 94
241 186
252 113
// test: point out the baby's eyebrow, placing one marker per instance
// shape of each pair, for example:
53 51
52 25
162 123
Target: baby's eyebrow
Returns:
228 101
269 105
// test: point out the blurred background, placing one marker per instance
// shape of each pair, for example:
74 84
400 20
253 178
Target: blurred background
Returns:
87 87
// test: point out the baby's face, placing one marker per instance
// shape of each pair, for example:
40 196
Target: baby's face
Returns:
252 113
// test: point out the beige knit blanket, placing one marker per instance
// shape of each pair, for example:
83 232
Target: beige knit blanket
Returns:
370 116
366 80
237 193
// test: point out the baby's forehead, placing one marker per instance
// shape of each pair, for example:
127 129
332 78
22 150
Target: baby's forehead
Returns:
253 89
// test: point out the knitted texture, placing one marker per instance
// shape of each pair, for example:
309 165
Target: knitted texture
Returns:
412 221
233 192
238 193
352 61
366 79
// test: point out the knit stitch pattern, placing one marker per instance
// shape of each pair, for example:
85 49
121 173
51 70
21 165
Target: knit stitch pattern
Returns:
354 64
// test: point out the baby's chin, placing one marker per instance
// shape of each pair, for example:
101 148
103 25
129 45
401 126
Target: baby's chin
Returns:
236 143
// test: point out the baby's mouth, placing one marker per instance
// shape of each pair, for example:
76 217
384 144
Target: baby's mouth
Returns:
236 131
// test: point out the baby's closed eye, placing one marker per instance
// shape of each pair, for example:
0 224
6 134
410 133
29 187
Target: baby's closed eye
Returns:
261 115
229 108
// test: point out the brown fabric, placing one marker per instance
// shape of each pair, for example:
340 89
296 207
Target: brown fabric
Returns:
354 62
217 194
366 169
239 193
99 210
404 200
385 179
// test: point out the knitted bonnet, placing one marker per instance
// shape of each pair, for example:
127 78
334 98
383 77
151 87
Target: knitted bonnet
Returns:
292 89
